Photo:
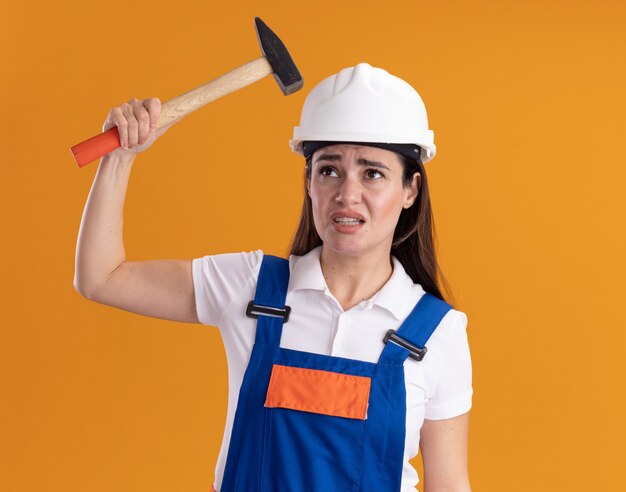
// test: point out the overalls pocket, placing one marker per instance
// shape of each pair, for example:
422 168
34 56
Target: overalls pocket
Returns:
314 430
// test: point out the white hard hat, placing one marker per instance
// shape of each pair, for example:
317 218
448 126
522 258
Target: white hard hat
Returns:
364 104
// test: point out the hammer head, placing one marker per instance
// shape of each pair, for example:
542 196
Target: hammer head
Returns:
284 69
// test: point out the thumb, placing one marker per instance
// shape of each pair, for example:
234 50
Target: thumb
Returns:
163 129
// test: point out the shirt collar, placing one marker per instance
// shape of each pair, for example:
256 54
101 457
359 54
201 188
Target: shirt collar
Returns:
394 294
306 273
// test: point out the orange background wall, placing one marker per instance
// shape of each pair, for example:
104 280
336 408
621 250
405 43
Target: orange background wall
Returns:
527 103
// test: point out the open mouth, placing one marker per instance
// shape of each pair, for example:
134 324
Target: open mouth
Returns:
347 221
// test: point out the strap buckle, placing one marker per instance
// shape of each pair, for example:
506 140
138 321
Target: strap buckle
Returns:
415 352
254 310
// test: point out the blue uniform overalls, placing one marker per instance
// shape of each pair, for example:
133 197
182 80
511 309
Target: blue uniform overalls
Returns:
291 435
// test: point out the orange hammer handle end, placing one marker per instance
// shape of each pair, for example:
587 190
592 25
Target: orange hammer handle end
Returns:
95 147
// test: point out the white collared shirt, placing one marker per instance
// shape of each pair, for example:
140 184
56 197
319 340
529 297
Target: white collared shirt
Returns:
438 387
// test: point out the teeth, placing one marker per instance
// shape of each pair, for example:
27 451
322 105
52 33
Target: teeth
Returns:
346 220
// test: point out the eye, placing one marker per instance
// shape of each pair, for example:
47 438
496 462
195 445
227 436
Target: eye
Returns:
327 171
374 173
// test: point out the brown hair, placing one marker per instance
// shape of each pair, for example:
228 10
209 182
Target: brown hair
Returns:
413 240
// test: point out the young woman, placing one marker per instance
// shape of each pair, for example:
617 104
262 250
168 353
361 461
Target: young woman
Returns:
344 358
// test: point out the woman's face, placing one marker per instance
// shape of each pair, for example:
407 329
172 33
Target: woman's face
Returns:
357 195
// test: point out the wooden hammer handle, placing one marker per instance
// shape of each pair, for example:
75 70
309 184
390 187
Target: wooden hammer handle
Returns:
179 107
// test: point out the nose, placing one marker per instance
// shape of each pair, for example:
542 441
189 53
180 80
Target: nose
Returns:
349 191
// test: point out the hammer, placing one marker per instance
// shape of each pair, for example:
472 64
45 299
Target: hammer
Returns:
275 60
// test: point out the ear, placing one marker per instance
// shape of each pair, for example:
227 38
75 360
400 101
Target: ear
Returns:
412 191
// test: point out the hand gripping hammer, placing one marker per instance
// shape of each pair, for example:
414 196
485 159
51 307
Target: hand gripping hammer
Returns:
275 60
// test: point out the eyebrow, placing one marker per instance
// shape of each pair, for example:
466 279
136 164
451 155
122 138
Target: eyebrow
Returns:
361 161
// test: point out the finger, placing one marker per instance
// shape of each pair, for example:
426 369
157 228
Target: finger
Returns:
143 119
122 125
133 126
154 108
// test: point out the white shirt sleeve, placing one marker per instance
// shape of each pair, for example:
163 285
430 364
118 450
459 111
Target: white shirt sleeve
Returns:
218 279
453 388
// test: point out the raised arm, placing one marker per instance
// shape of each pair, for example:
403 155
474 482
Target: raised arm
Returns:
157 288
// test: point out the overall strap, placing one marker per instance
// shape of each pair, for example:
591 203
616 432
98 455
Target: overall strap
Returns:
410 339
268 305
